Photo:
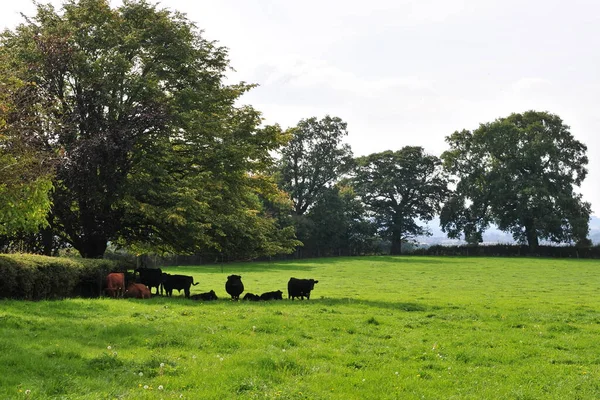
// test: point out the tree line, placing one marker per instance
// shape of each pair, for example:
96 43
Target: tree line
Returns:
117 128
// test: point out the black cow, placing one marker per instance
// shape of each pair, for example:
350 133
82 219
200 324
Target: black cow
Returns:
234 286
300 288
151 277
276 295
205 296
251 297
179 282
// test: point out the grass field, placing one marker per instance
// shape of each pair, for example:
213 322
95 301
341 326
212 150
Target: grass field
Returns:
375 328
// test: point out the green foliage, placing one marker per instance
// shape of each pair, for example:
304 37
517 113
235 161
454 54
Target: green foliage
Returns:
518 172
25 169
375 328
313 160
337 224
34 277
155 152
399 188
24 206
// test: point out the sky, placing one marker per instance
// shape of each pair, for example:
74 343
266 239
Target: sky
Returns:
408 72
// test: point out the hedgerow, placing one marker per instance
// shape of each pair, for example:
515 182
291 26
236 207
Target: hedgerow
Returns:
35 277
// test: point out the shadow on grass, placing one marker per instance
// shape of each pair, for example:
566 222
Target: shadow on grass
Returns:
231 268
391 305
311 264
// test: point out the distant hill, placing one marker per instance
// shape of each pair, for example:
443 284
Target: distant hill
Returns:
492 235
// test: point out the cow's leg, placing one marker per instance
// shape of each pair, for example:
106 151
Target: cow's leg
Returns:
187 292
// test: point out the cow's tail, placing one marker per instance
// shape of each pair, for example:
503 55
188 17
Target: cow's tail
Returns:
197 283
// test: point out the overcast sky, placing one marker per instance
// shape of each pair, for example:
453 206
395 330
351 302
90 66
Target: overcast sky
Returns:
404 72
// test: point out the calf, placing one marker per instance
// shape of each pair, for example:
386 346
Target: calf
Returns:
251 297
179 282
151 277
300 288
276 295
208 296
234 286
115 284
138 291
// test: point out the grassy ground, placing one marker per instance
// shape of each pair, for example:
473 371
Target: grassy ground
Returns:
376 328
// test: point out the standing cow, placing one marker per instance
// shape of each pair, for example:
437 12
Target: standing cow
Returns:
234 286
151 277
115 284
300 288
179 282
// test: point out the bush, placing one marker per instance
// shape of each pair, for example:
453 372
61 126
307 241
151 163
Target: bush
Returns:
34 277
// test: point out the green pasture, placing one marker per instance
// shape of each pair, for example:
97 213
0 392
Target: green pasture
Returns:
375 328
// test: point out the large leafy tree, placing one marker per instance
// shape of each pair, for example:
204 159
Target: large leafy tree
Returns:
313 160
26 169
520 173
400 188
155 153
339 224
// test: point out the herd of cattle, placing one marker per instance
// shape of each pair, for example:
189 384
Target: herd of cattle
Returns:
140 283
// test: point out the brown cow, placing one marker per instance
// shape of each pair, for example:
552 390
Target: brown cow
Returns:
138 291
115 284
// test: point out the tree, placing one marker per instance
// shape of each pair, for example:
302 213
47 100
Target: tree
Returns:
313 160
400 187
518 172
25 168
338 224
155 153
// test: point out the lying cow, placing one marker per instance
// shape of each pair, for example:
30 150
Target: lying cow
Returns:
276 295
208 296
300 288
151 277
251 297
137 291
179 282
115 284
234 286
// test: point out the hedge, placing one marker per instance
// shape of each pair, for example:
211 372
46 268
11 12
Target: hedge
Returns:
35 277
508 250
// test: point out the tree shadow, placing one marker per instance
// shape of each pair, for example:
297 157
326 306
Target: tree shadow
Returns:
240 267
390 305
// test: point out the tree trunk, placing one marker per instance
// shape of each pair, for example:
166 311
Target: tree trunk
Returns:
396 234
92 247
47 241
396 243
532 236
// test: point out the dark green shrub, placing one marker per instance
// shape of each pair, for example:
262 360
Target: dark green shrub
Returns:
34 277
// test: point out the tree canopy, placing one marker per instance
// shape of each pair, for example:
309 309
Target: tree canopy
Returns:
154 152
400 188
26 168
520 173
313 160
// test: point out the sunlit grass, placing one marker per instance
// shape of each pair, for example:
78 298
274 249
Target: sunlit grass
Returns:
375 328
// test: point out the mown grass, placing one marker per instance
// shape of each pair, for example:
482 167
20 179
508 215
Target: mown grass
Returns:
375 328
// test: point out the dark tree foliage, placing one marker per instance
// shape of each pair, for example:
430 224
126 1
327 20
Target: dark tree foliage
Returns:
518 172
337 224
400 188
156 155
313 160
